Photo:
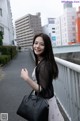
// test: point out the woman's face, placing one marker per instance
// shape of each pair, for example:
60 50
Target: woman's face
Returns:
38 46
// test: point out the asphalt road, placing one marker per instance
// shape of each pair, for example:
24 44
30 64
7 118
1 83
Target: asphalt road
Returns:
12 87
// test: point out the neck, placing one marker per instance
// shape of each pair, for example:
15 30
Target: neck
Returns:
39 59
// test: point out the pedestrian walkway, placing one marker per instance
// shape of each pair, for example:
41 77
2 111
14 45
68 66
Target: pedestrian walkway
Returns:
1 74
12 87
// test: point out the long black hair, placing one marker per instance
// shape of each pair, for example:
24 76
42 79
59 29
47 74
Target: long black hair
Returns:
48 53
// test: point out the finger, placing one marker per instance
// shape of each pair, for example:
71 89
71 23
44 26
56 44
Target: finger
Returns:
22 69
25 69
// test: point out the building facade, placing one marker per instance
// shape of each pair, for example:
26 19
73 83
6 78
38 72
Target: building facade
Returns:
26 27
68 26
6 22
58 31
50 30
63 30
78 26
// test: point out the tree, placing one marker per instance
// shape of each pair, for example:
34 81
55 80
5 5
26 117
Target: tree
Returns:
1 38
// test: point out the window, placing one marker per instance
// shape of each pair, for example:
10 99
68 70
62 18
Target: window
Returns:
73 34
73 28
53 31
1 29
73 17
53 28
73 22
0 11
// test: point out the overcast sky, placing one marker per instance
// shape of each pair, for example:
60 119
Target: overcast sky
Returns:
47 8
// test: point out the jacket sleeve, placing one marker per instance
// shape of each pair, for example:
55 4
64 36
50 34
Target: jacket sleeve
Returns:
44 75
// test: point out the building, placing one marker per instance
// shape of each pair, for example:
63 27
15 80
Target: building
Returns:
65 26
78 26
68 24
26 27
62 30
6 22
58 31
52 33
50 30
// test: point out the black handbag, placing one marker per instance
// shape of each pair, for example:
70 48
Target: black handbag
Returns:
33 108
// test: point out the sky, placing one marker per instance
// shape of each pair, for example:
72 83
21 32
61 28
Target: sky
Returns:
47 8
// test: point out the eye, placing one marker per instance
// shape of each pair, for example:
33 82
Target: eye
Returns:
42 44
35 42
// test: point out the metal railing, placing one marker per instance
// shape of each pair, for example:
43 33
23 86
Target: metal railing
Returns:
67 88
66 48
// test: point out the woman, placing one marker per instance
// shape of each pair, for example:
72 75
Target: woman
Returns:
45 71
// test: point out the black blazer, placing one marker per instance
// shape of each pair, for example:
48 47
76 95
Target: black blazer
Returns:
44 77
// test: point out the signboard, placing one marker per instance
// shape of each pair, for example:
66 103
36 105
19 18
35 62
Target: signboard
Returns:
53 38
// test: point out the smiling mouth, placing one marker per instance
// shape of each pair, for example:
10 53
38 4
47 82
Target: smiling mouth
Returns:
37 50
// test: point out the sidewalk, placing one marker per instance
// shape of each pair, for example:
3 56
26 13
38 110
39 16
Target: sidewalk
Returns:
12 87
1 74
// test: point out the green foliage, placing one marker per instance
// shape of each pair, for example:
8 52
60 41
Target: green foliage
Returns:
1 38
7 53
8 50
4 59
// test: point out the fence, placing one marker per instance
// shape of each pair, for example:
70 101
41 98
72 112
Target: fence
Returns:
67 88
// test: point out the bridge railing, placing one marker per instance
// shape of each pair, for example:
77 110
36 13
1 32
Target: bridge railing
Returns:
67 88
66 48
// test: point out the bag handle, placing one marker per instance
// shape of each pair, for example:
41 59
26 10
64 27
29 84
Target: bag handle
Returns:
33 91
37 95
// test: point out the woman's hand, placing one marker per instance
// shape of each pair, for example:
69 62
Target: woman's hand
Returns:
24 74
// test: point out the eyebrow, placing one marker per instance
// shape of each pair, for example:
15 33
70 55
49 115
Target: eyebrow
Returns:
39 42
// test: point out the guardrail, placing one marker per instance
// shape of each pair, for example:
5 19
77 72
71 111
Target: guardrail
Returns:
66 48
67 88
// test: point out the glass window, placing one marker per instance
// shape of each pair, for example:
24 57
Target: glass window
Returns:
73 17
53 28
1 29
0 11
53 31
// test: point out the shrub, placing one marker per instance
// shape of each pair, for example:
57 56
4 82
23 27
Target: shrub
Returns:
8 50
4 59
1 38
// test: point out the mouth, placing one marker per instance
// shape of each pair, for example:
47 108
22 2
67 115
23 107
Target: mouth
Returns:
37 50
